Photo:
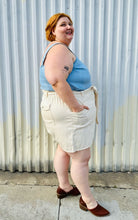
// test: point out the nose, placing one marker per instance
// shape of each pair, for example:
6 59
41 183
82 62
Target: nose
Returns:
68 26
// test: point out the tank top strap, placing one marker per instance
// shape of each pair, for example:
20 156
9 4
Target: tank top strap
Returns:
48 50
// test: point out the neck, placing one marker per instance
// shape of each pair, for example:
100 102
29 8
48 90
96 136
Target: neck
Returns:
63 42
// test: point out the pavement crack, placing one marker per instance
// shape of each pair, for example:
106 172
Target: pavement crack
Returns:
59 204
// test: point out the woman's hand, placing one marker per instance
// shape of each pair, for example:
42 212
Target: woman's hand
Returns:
79 108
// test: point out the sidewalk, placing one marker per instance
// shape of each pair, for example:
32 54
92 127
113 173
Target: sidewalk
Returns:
29 200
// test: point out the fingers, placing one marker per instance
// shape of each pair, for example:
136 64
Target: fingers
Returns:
81 108
85 107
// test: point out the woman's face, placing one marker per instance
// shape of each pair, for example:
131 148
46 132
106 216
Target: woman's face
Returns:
64 31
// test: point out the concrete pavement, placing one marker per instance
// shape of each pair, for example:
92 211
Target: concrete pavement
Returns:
28 200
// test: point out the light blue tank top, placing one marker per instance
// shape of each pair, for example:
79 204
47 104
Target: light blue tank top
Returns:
79 79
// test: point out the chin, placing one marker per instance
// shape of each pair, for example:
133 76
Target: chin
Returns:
69 41
70 38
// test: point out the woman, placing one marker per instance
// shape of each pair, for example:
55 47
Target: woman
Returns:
68 110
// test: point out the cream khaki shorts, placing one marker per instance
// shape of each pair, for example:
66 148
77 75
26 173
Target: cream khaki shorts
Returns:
73 131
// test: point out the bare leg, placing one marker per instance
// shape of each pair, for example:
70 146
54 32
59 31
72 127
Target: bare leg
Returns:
79 173
61 165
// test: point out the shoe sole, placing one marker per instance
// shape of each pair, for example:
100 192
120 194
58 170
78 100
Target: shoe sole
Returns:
83 207
61 196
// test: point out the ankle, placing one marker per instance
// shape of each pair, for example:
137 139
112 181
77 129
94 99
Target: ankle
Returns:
91 203
66 188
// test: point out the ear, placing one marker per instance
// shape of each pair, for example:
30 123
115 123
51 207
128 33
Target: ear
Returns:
53 32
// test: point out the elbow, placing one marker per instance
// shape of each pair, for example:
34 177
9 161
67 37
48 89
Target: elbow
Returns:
58 84
55 81
52 80
55 84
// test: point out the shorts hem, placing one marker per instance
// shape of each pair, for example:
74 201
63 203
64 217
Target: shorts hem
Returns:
73 151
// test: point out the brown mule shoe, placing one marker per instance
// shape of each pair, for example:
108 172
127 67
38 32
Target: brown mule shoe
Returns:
62 194
98 211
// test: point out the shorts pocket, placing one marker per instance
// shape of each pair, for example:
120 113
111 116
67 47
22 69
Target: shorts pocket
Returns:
46 112
81 112
80 117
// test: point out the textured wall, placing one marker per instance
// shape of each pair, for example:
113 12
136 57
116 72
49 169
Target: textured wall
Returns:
105 40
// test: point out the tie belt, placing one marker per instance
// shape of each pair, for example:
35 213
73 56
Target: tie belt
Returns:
96 101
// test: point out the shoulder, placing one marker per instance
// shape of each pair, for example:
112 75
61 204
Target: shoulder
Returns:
55 49
58 49
59 53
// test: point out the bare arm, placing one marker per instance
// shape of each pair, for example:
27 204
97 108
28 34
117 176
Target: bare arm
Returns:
64 91
57 72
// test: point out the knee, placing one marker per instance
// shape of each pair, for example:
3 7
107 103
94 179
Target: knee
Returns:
82 157
86 158
78 164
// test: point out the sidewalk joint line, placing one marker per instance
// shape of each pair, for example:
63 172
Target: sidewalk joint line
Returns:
59 204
